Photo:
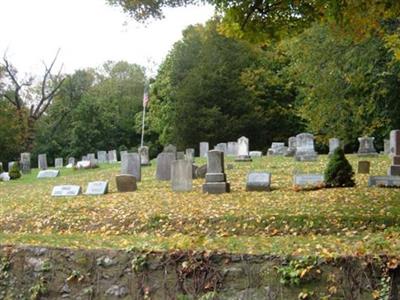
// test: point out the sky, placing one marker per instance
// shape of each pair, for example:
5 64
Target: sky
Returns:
88 33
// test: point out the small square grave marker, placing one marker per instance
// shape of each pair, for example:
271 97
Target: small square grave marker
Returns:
258 181
66 190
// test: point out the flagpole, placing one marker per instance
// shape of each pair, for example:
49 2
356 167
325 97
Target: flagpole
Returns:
144 115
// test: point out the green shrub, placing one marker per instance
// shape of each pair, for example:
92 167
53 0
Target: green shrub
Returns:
1 168
339 172
14 172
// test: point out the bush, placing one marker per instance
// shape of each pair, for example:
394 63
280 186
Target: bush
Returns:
1 168
339 172
14 172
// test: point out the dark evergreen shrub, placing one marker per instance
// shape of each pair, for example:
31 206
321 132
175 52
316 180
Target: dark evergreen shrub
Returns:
339 172
14 172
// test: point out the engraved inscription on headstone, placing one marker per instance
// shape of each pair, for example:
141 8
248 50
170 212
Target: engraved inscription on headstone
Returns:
258 181
48 174
66 190
25 163
308 180
97 188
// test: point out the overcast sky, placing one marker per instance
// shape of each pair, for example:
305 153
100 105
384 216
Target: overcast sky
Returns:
88 32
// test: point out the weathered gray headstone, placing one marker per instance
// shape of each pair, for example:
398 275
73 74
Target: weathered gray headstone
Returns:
84 158
180 155
215 176
164 162
366 147
384 181
221 147
170 148
363 167
305 147
243 149
291 151
112 156
386 147
58 163
25 163
181 176
258 181
126 183
255 153
97 188
277 148
102 157
91 156
189 154
66 190
42 161
71 161
334 143
130 164
232 149
201 171
144 155
204 149
123 152
48 174
394 169
308 180
10 164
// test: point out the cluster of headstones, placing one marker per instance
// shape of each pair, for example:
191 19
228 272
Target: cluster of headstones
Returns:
239 149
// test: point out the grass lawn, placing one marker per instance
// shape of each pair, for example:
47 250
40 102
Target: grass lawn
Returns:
327 222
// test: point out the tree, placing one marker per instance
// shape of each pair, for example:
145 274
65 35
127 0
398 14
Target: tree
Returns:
339 172
30 102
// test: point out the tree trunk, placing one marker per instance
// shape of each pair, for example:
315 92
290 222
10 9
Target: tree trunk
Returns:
30 134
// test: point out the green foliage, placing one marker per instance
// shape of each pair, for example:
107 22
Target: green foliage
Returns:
14 172
299 271
1 168
339 172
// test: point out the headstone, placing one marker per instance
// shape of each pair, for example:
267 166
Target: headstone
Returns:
204 149
66 190
384 181
394 169
243 149
48 174
201 171
194 171
126 183
334 143
164 162
366 147
144 155
83 164
277 149
102 157
221 147
258 181
85 158
25 163
181 176
180 155
308 180
10 164
97 188
58 163
232 149
130 164
363 167
386 147
71 161
189 155
291 151
42 161
123 152
215 176
305 147
5 176
255 153
170 148
112 156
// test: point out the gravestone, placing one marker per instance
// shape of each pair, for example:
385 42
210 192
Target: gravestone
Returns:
97 188
201 171
232 149
164 161
112 156
291 151
102 157
277 149
215 176
91 156
180 155
58 163
255 153
243 149
123 152
84 164
221 147
144 155
126 183
10 164
5 176
363 167
84 158
334 143
366 147
71 161
189 155
130 164
305 147
258 181
384 181
394 169
66 191
170 148
48 174
25 163
204 149
181 176
308 180
386 147
42 161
